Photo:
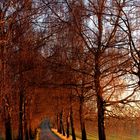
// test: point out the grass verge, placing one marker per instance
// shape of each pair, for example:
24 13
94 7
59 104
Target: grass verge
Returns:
63 137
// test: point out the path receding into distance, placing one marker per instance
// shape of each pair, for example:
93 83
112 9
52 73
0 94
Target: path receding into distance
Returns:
46 133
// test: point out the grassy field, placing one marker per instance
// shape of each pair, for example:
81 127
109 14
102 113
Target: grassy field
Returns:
94 136
113 137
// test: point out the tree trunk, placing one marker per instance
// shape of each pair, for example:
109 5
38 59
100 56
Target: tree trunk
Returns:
20 133
26 130
27 134
26 119
63 130
61 123
100 101
31 134
58 123
82 122
72 124
101 128
60 116
67 128
101 109
8 130
21 104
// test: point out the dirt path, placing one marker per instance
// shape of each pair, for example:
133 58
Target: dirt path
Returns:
46 133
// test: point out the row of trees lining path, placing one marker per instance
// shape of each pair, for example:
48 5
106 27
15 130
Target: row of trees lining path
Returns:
68 59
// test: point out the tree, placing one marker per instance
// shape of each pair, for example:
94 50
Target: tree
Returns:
100 26
17 54
132 30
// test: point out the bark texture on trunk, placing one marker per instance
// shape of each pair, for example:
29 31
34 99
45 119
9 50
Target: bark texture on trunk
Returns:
101 126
